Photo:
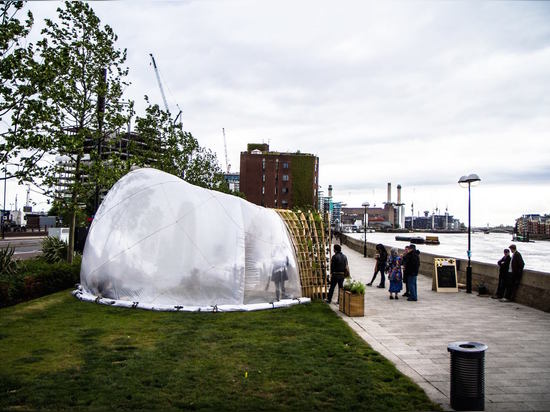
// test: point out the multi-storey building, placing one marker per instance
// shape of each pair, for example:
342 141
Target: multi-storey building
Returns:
389 216
432 222
233 180
122 145
277 179
534 226
377 217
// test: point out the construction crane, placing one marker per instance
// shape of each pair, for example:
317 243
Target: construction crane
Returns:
227 165
179 116
159 82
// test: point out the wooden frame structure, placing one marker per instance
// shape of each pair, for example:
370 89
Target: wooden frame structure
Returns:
312 250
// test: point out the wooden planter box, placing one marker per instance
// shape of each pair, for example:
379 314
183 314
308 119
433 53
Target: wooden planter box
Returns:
352 304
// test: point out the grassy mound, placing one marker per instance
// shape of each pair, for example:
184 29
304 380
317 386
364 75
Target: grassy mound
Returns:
58 353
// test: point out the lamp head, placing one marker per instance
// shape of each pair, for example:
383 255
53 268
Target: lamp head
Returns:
366 204
470 180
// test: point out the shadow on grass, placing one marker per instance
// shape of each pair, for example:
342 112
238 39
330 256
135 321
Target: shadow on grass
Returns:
85 356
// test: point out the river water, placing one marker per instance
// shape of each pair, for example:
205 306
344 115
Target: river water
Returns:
486 248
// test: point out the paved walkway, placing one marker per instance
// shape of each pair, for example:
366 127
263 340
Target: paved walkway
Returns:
414 336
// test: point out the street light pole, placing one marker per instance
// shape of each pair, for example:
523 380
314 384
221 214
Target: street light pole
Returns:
470 180
4 203
365 205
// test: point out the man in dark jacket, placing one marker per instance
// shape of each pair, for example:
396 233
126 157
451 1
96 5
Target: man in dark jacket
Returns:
503 265
411 261
404 257
338 265
515 271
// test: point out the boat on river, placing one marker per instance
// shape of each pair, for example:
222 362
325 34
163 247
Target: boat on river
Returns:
412 239
432 240
418 240
522 238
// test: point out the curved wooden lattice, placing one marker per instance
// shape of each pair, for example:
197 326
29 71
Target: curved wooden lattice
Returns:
310 245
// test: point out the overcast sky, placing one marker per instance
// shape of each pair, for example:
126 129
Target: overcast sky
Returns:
413 93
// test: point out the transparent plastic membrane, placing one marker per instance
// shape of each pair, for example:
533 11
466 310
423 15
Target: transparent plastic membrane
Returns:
158 242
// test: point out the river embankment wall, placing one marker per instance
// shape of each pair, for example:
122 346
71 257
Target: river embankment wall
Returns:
534 288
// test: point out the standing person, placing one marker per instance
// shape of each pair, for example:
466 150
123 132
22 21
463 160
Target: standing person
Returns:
503 266
381 256
411 262
338 271
515 271
405 278
279 275
394 273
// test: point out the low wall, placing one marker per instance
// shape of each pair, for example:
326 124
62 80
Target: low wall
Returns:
534 289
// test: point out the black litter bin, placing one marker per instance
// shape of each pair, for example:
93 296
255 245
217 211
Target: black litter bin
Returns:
467 375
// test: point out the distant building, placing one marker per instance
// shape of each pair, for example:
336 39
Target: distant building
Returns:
377 217
334 209
352 218
279 180
233 180
533 226
390 216
122 145
432 222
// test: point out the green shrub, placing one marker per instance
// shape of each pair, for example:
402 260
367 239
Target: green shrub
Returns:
35 278
42 278
54 250
8 265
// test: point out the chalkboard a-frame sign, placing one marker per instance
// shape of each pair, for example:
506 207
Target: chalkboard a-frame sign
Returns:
445 275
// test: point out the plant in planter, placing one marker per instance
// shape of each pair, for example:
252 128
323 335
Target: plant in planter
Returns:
353 298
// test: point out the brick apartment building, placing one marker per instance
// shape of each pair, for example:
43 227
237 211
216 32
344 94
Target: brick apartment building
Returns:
279 180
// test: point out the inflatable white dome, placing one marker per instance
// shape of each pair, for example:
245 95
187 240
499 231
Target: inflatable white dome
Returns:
160 243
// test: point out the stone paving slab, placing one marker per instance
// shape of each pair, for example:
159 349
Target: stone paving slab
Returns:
414 336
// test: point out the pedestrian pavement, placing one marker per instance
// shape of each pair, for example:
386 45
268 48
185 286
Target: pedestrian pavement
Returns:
414 336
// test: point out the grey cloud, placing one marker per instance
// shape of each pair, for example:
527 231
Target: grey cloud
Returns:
416 93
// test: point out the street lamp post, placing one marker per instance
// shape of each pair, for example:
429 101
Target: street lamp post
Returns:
365 205
4 203
468 181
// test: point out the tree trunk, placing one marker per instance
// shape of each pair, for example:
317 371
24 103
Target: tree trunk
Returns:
70 247
73 205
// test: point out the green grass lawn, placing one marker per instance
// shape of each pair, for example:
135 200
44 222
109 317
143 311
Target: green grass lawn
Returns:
59 353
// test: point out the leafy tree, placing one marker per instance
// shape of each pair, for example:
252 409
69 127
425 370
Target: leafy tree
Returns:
69 105
167 147
78 74
14 86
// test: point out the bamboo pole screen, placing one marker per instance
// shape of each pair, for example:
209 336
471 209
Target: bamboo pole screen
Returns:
310 245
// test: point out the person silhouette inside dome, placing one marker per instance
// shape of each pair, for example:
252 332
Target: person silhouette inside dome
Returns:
279 275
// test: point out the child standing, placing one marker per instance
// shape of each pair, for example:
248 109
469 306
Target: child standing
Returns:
394 274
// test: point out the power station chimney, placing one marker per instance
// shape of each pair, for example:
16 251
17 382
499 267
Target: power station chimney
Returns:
398 194
329 190
389 193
